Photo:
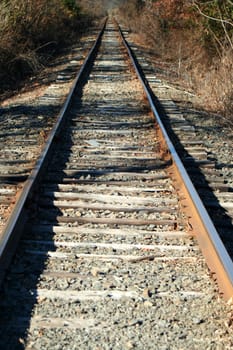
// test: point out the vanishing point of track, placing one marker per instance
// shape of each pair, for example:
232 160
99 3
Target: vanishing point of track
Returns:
108 257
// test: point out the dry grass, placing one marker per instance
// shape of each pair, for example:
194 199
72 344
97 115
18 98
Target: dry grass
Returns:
192 57
32 31
215 86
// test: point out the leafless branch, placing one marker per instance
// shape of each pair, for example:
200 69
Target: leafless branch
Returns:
217 41
224 21
225 31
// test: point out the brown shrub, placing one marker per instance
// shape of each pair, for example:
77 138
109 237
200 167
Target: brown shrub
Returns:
178 35
31 31
215 86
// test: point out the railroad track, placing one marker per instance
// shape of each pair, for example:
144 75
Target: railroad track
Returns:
108 257
210 175
26 123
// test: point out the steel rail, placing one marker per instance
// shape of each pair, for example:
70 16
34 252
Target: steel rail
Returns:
14 226
212 247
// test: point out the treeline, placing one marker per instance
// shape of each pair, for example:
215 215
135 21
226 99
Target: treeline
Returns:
31 31
195 37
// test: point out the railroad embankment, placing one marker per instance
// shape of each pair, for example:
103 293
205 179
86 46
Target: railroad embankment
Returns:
192 42
32 33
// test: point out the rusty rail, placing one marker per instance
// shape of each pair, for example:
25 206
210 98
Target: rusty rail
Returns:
14 226
212 247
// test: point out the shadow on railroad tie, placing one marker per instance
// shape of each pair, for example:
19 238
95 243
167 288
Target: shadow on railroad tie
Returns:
34 267
222 219
23 119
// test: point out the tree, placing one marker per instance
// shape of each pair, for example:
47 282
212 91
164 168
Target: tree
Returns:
218 20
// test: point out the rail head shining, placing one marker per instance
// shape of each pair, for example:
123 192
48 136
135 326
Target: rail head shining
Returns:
212 247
